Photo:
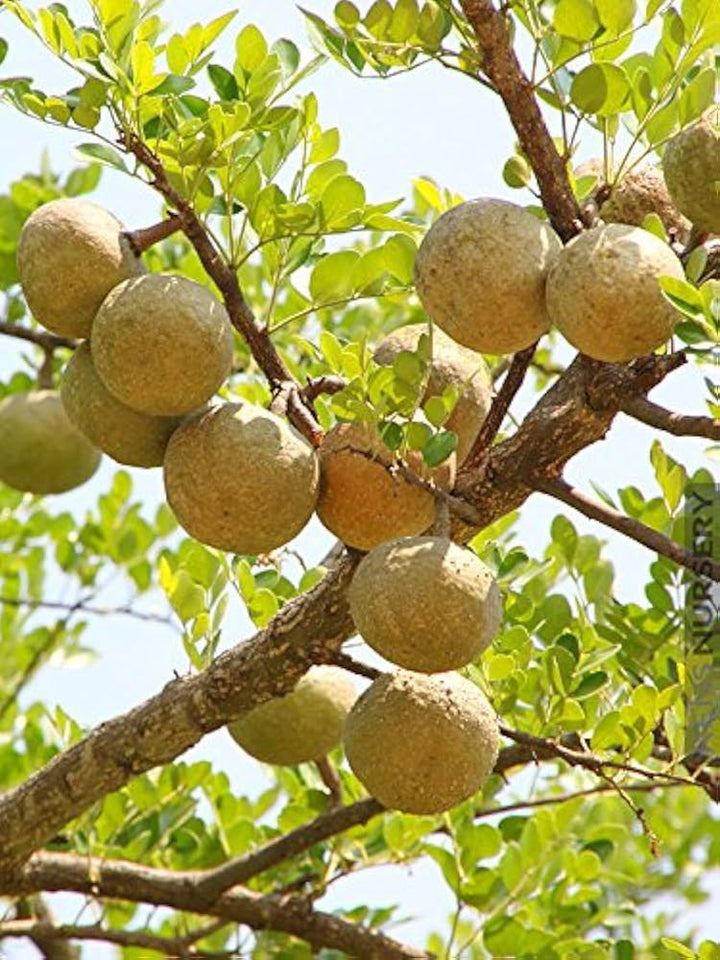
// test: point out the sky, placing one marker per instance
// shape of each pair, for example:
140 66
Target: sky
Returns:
429 122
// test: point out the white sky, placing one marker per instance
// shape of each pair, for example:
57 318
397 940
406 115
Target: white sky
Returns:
430 122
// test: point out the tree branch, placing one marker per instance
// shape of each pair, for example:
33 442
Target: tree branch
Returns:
34 911
122 880
656 541
46 341
145 238
502 67
225 278
679 424
81 607
480 451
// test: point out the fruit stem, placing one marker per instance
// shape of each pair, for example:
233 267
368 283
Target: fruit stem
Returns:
331 780
146 237
45 371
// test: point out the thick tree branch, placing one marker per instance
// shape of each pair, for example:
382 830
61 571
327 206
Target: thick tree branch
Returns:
225 278
146 237
561 490
502 67
679 424
480 451
122 880
47 341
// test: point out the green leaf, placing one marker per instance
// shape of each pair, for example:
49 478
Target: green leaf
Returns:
616 15
103 154
331 278
417 435
439 448
697 96
223 81
3 49
251 48
342 201
325 146
347 15
600 89
576 19
517 172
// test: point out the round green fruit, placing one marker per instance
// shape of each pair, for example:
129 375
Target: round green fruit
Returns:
240 478
162 344
425 604
480 274
691 163
304 725
604 292
70 255
127 436
452 365
40 449
422 744
362 501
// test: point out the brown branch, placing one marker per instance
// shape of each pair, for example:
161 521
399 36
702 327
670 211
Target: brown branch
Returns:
656 541
679 424
480 451
214 882
46 341
330 778
352 665
82 608
322 385
502 67
34 910
146 237
122 880
225 278
43 931
309 629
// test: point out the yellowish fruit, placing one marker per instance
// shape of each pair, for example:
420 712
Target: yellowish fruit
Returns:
162 344
691 163
40 449
240 478
604 292
422 744
127 436
635 196
454 366
304 725
361 501
480 274
70 255
425 604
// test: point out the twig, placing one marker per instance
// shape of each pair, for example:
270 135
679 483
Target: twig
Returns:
83 608
47 341
34 910
656 541
225 278
480 451
146 237
352 665
322 385
330 778
678 424
502 67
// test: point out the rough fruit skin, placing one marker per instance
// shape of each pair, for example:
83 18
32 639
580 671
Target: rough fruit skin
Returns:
70 255
422 744
304 725
691 164
40 449
162 344
241 479
604 293
637 194
452 366
480 274
425 604
127 436
360 501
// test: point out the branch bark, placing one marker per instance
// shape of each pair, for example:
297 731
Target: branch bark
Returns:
146 237
47 341
678 424
595 510
119 879
502 67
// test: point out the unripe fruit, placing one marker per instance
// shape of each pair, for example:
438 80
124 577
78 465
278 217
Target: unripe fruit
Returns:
604 292
422 744
40 449
361 501
452 365
240 478
304 725
127 436
634 196
480 274
691 163
425 604
162 344
70 255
